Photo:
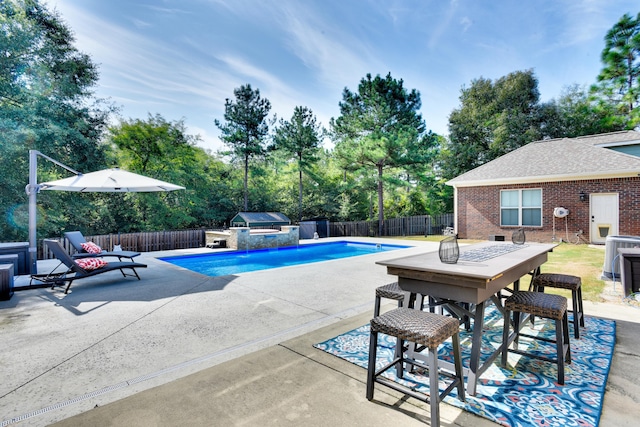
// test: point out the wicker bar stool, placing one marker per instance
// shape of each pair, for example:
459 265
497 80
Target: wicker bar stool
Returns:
564 281
394 292
389 291
542 305
423 328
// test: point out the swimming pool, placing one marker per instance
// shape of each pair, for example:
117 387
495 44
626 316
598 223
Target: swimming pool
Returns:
225 263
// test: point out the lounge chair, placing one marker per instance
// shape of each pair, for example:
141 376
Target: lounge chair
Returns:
77 240
75 271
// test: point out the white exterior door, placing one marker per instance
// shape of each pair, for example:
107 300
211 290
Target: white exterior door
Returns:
604 216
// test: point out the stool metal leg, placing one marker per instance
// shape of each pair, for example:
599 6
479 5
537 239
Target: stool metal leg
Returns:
560 334
577 314
505 336
567 345
434 390
399 356
517 317
580 306
376 307
371 368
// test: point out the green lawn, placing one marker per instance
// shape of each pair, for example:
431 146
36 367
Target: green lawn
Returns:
579 260
567 258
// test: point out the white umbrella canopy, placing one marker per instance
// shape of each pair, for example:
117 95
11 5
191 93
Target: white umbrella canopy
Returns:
105 181
113 180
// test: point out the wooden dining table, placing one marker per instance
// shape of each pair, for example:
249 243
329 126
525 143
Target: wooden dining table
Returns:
481 272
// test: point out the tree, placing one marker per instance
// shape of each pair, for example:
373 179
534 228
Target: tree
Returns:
46 104
146 145
300 138
493 119
378 127
164 150
575 113
245 128
620 78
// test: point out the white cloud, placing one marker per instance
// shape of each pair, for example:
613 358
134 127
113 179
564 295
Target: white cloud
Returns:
140 23
336 56
466 23
183 59
443 25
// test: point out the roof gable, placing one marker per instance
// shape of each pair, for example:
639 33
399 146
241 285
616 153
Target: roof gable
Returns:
612 139
557 160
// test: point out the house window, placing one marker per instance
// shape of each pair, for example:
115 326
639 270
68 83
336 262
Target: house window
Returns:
521 208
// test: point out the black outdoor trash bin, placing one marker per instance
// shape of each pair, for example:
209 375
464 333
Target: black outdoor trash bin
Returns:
22 250
6 281
11 259
630 270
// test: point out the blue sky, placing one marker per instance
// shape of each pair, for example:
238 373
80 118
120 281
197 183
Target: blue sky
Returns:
183 58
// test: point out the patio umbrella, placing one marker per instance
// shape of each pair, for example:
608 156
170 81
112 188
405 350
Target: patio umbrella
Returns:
113 180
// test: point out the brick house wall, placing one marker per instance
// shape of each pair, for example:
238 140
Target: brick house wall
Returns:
478 209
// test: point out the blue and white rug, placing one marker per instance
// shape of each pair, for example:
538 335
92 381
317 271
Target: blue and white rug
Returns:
525 392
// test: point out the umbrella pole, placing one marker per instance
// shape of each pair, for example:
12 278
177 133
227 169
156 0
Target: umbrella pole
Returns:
32 190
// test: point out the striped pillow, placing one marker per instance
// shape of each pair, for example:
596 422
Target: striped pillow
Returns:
91 247
91 263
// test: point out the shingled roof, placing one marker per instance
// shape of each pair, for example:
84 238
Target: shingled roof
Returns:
558 160
261 218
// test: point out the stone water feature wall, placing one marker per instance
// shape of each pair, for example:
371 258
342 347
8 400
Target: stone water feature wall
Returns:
245 238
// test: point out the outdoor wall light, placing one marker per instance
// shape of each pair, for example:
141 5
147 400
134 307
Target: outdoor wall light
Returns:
583 196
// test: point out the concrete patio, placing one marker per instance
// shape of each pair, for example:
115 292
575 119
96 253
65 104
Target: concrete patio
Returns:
179 348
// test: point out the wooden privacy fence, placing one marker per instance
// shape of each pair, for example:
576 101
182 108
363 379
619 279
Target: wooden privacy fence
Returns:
419 225
140 242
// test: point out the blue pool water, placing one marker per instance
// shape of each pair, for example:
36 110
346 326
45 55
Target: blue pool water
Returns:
222 264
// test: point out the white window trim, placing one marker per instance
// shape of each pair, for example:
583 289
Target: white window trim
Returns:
520 190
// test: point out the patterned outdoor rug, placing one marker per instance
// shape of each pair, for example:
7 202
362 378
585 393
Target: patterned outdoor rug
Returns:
525 392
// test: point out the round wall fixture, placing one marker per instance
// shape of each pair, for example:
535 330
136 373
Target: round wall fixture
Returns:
560 212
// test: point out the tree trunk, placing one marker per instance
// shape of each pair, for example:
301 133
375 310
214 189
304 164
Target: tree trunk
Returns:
300 195
630 85
380 204
246 181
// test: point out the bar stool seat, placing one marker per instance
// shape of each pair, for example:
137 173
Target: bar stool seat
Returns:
564 281
424 328
543 305
394 292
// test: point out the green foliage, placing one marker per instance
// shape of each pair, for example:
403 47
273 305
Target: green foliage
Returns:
163 150
245 128
496 118
619 80
575 113
46 105
493 119
379 127
382 149
299 139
